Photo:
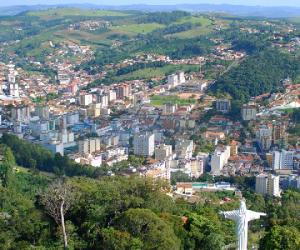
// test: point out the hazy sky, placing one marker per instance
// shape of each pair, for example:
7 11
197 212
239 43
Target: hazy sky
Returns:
123 2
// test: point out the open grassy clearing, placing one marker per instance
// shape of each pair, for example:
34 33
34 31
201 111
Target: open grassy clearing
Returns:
195 20
83 37
149 73
159 100
195 32
142 28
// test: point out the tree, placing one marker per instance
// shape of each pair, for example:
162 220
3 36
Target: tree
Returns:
281 237
147 226
57 200
6 166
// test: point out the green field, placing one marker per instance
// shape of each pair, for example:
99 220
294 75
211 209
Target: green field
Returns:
142 28
159 100
149 73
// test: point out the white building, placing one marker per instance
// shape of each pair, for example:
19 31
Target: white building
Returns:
112 95
89 146
283 160
197 167
181 77
264 137
21 114
219 159
267 185
184 149
169 108
143 144
86 99
163 152
173 80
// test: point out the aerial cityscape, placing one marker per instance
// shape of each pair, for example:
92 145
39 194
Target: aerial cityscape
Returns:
148 126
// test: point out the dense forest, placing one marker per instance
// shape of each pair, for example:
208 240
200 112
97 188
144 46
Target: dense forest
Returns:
128 213
259 73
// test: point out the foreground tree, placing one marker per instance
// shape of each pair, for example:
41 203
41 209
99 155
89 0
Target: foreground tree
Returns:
281 237
57 201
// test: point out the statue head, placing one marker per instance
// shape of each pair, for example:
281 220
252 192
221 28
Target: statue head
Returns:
243 207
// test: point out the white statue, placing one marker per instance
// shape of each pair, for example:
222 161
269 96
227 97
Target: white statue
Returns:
242 216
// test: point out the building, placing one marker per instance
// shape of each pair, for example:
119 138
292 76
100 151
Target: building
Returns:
219 159
234 148
197 167
184 149
283 160
264 137
223 105
89 146
143 144
248 112
173 80
21 114
267 185
163 152
43 112
181 77
112 95
86 99
123 91
169 108
94 110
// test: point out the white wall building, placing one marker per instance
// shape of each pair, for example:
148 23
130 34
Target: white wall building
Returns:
163 152
219 159
283 160
267 185
143 144
86 99
184 149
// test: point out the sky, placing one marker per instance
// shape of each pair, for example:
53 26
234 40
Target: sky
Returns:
125 2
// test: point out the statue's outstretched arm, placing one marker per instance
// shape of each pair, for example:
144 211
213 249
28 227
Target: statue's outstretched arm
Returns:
254 215
232 215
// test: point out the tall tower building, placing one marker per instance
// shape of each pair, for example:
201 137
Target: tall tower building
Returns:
143 144
267 185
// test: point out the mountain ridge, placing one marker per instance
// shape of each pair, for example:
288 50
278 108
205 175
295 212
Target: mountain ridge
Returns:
238 10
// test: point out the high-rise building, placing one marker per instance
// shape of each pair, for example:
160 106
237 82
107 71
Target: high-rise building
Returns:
267 185
181 77
123 91
143 144
21 114
248 112
173 80
86 99
223 105
42 111
162 152
184 149
283 160
89 146
264 137
219 159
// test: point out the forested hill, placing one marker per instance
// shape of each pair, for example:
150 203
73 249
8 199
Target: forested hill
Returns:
259 73
120 213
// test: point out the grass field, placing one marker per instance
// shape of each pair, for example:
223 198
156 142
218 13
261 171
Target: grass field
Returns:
149 73
159 100
206 26
204 21
142 28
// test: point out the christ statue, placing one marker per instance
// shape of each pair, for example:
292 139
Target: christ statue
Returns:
242 216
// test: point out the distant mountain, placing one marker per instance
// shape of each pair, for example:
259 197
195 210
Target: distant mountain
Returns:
238 10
